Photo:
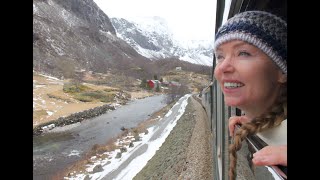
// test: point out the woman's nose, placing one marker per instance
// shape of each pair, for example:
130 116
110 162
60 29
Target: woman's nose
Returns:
226 65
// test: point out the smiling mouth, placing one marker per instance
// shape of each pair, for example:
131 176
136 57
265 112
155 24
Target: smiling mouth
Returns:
232 85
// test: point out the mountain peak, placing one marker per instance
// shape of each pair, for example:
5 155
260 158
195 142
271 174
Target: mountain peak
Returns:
152 38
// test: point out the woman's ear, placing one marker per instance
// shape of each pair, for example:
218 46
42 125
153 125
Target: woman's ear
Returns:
282 77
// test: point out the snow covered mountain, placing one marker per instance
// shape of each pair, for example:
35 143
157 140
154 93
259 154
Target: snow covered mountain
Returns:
152 38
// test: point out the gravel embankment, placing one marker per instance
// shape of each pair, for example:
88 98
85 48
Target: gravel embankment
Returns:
186 153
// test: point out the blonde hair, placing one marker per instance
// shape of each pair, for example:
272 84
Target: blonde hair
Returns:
276 114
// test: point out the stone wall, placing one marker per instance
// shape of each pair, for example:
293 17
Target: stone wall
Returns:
74 118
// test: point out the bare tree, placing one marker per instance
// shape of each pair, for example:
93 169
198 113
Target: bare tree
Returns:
66 67
175 92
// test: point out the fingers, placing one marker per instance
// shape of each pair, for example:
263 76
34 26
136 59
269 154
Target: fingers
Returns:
232 122
236 120
271 155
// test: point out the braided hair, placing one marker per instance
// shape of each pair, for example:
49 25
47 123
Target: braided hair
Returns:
276 114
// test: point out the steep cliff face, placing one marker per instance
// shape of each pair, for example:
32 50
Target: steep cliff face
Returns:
77 33
88 11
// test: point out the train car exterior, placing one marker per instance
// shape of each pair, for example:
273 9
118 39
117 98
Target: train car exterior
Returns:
218 113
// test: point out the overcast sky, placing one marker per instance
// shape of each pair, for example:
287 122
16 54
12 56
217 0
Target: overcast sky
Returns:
187 19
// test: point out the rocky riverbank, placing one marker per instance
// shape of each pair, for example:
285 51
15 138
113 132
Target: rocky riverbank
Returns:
73 118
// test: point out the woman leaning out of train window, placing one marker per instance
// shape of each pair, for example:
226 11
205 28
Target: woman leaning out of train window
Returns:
251 55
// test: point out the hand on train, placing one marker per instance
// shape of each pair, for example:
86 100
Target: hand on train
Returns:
271 155
233 120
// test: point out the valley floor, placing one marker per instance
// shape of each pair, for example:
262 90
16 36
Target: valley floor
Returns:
50 102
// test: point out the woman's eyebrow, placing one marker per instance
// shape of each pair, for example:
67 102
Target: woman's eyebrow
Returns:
239 44
235 45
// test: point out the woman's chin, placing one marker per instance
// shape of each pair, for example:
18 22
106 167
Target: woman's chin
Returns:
232 102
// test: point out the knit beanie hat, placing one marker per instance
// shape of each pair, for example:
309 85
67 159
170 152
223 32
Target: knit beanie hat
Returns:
261 29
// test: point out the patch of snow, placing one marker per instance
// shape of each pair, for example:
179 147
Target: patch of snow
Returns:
35 9
49 113
48 127
39 86
65 128
50 77
74 153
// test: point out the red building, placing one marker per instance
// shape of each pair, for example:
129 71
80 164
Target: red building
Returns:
153 83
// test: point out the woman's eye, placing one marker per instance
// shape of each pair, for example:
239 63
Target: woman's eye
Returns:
244 53
219 58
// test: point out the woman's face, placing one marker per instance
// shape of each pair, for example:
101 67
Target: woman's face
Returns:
248 78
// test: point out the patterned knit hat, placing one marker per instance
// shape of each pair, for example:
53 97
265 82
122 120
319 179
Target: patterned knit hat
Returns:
261 29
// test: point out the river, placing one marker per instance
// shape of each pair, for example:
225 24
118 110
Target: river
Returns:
52 152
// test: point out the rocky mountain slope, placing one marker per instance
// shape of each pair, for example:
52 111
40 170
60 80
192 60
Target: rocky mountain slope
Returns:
77 34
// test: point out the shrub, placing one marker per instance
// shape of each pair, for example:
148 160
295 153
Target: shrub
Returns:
143 83
74 88
95 95
175 92
110 89
82 98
